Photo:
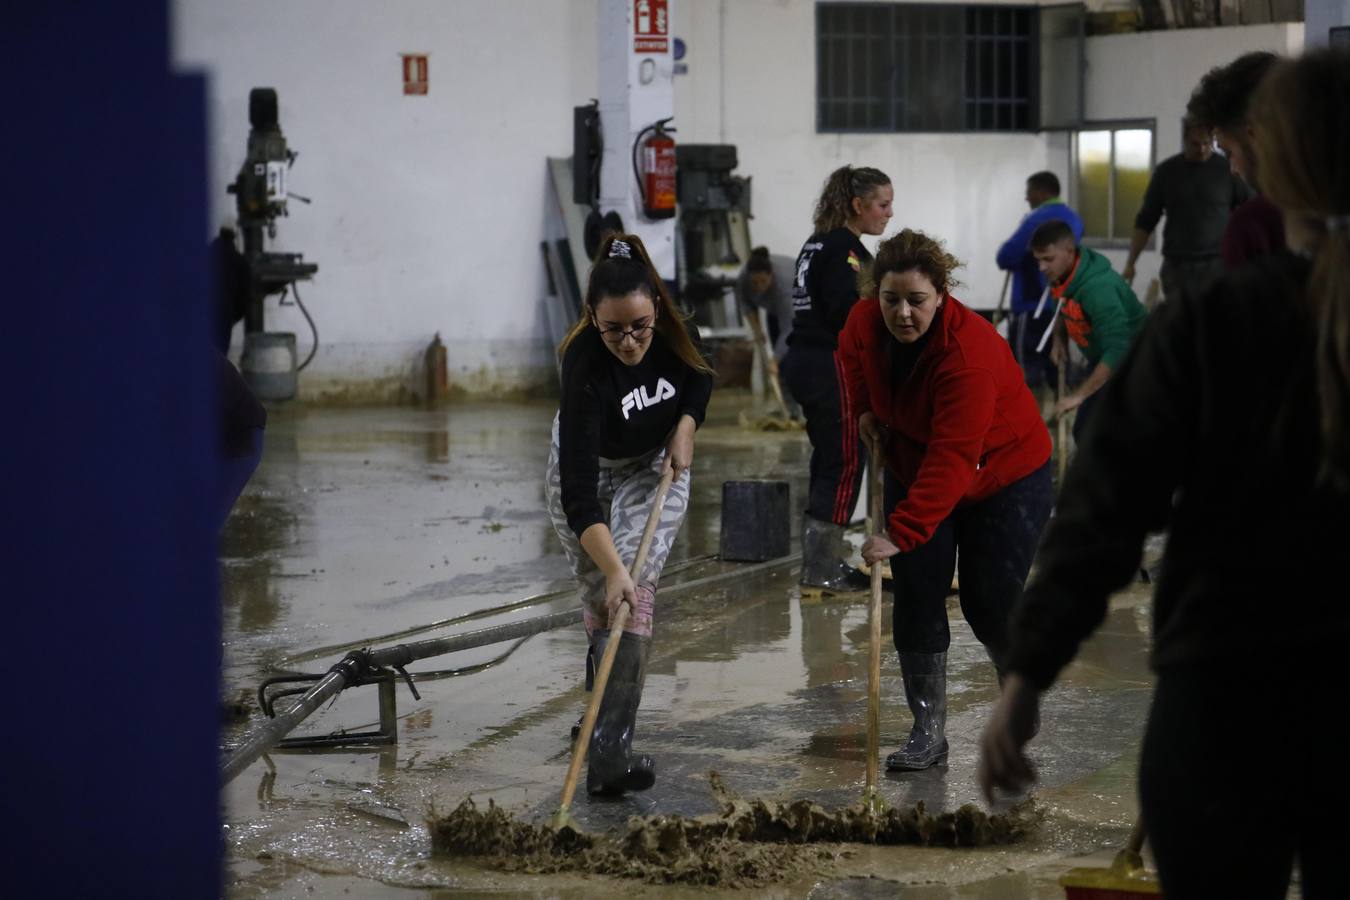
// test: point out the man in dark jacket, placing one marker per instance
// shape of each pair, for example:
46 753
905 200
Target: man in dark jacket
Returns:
1197 192
1100 312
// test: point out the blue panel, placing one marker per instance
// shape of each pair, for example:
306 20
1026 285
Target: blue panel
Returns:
109 783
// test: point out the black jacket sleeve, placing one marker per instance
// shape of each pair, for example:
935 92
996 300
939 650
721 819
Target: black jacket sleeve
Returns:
697 391
835 287
1153 207
1118 489
580 425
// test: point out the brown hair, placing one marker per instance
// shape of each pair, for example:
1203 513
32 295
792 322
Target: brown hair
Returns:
1051 232
912 249
1302 140
1222 97
618 275
835 206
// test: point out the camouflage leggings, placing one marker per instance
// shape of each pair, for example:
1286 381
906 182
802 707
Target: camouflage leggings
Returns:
626 490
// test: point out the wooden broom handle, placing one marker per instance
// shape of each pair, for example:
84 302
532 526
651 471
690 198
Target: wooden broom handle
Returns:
612 648
875 524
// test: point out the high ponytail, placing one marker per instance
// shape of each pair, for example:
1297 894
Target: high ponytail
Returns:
622 266
835 206
1302 111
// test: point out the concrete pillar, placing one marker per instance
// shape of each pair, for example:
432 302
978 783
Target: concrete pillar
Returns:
1320 16
636 89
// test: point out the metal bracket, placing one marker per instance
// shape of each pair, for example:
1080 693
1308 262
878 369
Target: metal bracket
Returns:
386 734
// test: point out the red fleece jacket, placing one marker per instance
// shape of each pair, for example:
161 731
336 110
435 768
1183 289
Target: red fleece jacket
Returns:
962 425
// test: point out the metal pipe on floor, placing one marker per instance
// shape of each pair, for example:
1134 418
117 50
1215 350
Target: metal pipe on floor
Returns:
358 663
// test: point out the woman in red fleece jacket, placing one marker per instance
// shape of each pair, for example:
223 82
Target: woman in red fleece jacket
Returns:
967 465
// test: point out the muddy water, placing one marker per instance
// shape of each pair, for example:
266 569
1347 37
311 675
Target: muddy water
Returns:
366 522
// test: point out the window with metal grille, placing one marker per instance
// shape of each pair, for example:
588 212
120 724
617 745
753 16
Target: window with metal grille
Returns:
913 67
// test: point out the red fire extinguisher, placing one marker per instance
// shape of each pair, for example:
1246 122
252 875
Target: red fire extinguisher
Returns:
654 169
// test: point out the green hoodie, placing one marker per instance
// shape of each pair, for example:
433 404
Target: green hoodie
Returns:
1100 311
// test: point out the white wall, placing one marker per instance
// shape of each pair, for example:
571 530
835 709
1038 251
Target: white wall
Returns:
752 83
1150 75
427 211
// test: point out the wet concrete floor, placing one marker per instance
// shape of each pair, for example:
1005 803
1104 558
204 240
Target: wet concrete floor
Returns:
363 527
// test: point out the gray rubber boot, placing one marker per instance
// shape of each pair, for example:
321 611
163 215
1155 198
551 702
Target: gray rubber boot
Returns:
925 678
823 566
612 766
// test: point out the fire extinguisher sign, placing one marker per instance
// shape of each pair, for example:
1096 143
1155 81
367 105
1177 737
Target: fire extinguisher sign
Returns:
651 26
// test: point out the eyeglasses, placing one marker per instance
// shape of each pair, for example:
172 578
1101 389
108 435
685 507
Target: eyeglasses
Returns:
616 335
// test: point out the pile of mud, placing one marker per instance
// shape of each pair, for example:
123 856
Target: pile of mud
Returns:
748 843
770 423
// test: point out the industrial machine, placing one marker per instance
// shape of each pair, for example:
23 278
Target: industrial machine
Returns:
269 360
712 235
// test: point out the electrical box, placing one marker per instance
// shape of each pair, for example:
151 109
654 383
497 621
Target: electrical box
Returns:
586 148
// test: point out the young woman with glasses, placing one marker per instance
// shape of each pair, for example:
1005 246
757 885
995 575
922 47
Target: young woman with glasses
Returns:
634 389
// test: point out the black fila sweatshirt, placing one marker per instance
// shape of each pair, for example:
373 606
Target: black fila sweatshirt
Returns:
613 411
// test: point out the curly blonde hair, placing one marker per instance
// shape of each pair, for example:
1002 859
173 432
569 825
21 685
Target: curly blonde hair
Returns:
912 249
835 206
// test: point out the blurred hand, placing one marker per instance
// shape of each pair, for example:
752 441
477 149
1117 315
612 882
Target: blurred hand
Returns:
1059 351
772 366
1128 273
878 547
873 431
1067 404
1002 763
619 588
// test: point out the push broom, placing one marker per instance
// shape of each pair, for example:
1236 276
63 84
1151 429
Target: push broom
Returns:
1125 879
620 618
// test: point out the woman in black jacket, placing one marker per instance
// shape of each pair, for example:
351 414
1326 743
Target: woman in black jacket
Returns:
1229 423
853 202
634 389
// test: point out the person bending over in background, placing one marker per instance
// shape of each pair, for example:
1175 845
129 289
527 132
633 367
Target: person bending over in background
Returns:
1220 103
634 390
967 459
1233 401
854 202
1030 317
764 293
1099 311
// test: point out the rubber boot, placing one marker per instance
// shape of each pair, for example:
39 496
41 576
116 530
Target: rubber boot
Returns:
925 679
823 567
612 766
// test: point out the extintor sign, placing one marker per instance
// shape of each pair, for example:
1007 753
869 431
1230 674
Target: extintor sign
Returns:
415 81
651 26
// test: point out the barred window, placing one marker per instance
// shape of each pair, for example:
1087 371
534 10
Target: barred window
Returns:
919 67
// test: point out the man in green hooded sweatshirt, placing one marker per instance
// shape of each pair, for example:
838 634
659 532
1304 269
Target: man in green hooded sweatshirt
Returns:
1099 311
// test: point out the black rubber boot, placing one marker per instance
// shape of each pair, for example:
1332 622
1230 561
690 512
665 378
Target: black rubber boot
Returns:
612 766
823 567
925 678
590 682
